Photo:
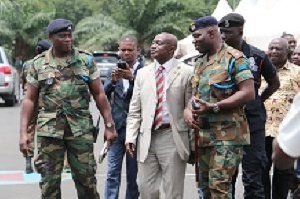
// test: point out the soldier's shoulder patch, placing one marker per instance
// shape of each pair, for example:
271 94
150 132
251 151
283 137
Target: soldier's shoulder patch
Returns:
235 53
42 55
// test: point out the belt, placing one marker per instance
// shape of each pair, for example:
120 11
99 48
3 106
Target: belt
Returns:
164 127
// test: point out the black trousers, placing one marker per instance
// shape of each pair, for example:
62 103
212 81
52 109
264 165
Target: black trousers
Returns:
254 165
282 179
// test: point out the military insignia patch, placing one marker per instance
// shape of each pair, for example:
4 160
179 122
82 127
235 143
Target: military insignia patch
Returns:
192 27
226 24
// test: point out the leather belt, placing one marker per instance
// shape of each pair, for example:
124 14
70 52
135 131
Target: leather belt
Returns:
164 127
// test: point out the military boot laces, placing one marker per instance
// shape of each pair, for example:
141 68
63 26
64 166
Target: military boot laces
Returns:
28 169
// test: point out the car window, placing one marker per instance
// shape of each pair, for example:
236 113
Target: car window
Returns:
105 58
1 61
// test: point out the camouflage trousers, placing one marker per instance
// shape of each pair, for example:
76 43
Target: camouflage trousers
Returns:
31 135
50 160
217 165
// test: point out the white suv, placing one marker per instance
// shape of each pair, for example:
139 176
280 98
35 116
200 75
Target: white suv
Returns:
9 81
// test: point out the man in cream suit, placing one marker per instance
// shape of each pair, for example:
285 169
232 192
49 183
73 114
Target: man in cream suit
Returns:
155 123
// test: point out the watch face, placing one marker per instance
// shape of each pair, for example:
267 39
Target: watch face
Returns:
109 125
216 109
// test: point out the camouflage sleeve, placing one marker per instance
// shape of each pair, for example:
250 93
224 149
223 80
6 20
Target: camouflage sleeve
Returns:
32 75
94 73
242 69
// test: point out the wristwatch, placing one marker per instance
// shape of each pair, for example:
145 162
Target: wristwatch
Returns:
216 108
109 124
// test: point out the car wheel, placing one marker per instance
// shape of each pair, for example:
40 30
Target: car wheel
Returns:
11 101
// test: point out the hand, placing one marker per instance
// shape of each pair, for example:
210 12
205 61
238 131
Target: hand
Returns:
190 119
23 144
115 75
126 73
130 148
204 107
110 136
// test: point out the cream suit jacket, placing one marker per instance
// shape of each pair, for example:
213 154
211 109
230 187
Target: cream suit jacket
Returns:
143 103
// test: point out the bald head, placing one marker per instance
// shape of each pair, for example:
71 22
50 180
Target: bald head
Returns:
163 47
129 38
170 39
278 51
280 42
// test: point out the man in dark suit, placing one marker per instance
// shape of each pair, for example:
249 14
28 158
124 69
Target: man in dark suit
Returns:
118 88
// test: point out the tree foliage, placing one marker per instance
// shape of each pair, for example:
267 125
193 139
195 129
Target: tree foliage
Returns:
99 24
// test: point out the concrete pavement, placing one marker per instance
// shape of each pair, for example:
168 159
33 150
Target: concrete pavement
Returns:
15 185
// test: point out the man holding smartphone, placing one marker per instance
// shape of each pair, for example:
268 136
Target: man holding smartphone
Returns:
118 88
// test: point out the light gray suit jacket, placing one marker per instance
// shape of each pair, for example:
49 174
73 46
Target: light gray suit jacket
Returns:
143 103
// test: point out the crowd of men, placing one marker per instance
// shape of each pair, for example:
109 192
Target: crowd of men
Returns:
161 116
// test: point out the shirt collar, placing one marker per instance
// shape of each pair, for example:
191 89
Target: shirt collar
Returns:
134 67
167 65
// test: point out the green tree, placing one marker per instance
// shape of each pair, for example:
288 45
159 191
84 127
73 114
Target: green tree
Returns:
144 18
23 24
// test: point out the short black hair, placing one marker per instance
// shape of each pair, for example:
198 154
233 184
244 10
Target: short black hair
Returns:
131 38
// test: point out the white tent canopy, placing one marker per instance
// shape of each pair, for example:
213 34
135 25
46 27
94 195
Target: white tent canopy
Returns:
185 46
268 19
222 9
265 20
245 8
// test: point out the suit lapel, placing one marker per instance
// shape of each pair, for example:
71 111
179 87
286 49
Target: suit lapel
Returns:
151 77
174 73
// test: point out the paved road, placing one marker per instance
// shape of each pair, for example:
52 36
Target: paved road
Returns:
15 185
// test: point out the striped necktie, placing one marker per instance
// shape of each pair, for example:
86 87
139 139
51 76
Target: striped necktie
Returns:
160 93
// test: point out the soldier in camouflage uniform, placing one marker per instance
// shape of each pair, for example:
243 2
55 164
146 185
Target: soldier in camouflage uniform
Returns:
277 107
41 46
254 159
222 84
61 80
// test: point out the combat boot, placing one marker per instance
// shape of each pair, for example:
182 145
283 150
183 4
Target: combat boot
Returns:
28 169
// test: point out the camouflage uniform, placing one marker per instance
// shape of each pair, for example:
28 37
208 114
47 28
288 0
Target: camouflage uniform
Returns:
277 107
64 121
224 133
32 123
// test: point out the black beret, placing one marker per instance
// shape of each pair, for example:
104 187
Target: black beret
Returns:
44 44
59 25
203 22
232 20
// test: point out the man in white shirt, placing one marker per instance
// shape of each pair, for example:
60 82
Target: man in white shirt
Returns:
286 147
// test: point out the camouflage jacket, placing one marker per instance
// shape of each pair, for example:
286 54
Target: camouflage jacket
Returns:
63 93
24 72
279 103
213 81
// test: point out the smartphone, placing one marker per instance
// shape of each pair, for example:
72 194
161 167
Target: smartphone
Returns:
121 64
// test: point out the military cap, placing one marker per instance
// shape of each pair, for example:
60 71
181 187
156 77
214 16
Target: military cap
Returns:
232 20
203 22
43 44
59 25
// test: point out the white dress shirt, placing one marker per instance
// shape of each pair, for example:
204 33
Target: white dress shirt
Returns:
166 73
126 81
289 130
